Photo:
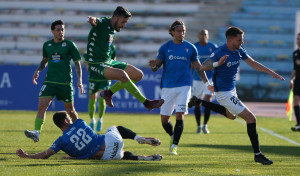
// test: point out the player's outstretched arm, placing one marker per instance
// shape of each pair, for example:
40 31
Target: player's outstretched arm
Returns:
261 68
92 20
42 155
209 64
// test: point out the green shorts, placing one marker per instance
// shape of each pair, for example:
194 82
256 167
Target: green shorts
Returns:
96 71
95 86
61 91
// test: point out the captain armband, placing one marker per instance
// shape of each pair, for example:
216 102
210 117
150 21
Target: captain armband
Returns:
215 64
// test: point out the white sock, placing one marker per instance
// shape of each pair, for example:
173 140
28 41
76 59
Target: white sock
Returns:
92 120
258 153
136 137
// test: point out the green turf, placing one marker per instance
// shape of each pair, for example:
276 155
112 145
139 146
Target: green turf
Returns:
226 151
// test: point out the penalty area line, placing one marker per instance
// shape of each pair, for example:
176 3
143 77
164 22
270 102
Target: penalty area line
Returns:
273 133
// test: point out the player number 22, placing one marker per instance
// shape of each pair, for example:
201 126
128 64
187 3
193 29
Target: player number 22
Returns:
85 139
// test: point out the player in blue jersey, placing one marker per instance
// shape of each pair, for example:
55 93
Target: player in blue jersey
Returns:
225 61
205 48
80 141
176 56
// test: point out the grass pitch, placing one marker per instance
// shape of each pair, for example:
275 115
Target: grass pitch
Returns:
225 151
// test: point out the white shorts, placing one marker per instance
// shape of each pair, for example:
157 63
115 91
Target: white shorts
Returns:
175 98
113 145
230 101
200 89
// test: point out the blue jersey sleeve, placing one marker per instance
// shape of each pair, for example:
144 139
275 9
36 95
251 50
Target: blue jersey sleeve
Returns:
194 56
244 53
215 56
56 145
161 53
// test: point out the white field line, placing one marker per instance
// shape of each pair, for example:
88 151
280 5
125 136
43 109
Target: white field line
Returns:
273 133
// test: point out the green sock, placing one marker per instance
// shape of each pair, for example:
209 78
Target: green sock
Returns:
102 107
118 86
92 108
38 124
133 90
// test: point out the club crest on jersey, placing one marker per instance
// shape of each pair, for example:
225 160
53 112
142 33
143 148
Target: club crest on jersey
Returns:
186 50
64 44
49 44
56 57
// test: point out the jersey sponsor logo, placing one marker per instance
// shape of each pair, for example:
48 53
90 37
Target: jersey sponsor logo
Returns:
64 44
229 64
97 70
203 56
56 57
171 57
49 44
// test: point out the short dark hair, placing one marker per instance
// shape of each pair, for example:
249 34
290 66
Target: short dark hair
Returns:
122 11
57 22
59 118
175 25
233 31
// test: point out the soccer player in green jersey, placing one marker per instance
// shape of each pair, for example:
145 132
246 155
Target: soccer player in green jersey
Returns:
100 38
57 55
96 85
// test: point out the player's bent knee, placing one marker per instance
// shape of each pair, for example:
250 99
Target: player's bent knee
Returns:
231 117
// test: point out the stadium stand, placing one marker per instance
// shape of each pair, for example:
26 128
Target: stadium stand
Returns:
142 36
269 27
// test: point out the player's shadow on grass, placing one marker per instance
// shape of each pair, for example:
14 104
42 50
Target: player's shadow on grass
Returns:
279 150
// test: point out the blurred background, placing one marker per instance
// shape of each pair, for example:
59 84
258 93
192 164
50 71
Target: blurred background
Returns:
270 27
